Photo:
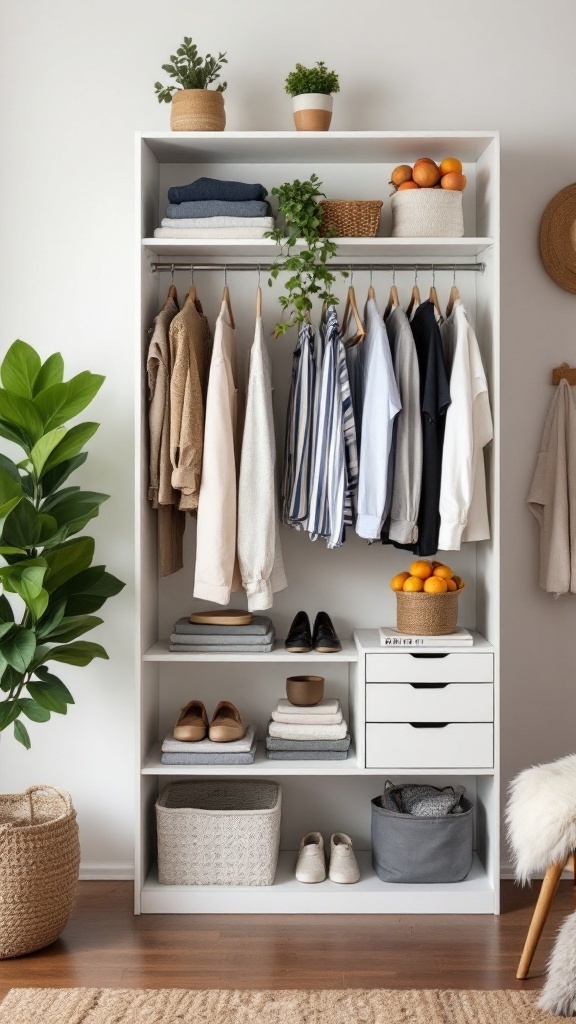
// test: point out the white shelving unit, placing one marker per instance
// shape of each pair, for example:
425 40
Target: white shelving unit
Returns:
351 583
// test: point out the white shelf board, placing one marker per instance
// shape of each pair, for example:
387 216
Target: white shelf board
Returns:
474 895
368 641
160 651
447 249
285 147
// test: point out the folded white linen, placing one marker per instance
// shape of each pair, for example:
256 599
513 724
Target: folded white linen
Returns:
327 706
288 719
172 746
218 222
209 232
282 731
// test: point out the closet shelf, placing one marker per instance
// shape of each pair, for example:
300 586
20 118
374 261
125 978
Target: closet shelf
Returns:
160 651
447 249
474 895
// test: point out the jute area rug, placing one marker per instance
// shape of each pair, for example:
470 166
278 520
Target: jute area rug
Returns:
345 1006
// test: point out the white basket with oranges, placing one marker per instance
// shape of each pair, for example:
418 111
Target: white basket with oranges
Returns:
427 201
427 598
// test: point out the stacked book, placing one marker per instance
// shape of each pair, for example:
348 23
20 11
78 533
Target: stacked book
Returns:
256 637
391 637
318 733
207 752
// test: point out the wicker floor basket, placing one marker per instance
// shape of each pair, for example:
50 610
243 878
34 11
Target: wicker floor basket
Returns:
219 832
39 860
351 218
422 614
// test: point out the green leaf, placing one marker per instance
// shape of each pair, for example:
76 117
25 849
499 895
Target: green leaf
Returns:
9 710
47 695
44 446
53 478
18 648
15 434
5 628
6 611
61 402
19 369
52 372
10 678
34 711
10 491
80 653
66 561
71 627
63 693
21 414
38 605
27 528
24 578
88 591
74 510
52 617
21 734
71 444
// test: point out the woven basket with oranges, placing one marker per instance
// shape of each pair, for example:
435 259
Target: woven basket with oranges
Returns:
427 598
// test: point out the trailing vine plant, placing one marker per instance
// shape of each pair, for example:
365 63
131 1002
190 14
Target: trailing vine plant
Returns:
310 274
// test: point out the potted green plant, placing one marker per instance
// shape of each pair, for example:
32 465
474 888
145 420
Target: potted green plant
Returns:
50 592
312 89
306 252
195 107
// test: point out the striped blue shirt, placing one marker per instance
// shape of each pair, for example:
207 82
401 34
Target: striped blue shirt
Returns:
299 432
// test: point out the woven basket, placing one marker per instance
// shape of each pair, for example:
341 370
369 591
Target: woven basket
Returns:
39 860
351 218
219 832
427 614
197 110
427 213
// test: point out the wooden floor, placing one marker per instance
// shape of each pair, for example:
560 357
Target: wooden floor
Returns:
105 946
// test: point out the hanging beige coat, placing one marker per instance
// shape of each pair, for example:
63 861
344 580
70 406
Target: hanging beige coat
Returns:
552 496
190 345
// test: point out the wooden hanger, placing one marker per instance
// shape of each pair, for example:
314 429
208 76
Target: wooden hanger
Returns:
371 292
351 310
172 294
226 299
564 372
191 293
454 295
415 299
433 296
393 299
258 298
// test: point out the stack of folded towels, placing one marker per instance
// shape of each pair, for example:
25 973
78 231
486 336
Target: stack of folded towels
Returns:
207 752
255 638
317 733
210 208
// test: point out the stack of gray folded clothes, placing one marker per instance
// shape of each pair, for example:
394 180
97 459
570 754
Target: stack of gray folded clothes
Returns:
211 208
207 752
318 733
256 638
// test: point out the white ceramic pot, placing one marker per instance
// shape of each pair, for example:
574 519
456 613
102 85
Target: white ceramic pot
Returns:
312 112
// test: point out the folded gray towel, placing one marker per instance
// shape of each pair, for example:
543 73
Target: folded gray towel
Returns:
259 626
312 755
233 640
229 757
207 746
219 208
221 649
302 746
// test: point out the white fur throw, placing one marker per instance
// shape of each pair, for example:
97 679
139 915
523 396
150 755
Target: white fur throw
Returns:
541 816
559 993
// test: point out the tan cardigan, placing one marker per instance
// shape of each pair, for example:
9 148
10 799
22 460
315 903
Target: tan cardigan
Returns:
190 346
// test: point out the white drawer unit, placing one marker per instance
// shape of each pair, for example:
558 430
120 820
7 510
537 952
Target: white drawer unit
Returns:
429 702
430 667
455 745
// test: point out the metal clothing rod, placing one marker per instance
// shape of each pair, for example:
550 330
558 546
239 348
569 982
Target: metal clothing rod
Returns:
478 268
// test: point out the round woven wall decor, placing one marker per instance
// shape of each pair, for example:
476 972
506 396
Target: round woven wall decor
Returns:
558 238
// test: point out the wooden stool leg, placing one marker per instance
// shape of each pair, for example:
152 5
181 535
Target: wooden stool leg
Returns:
549 886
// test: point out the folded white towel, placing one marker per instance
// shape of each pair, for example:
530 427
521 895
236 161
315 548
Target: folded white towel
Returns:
172 746
218 222
327 706
288 719
282 731
209 232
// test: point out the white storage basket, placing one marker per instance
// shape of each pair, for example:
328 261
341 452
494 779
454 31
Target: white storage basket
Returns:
219 832
427 213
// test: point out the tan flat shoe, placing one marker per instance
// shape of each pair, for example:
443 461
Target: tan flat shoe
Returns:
226 724
192 725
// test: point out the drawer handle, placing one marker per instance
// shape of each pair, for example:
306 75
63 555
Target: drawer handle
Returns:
428 725
423 654
429 686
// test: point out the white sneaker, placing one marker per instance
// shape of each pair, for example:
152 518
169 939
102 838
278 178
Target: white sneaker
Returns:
311 863
343 864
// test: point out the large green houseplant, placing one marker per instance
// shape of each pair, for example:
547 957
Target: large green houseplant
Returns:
50 589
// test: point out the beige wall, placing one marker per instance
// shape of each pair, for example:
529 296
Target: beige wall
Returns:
76 83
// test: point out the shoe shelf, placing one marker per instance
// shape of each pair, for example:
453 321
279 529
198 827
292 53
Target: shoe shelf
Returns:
160 651
474 895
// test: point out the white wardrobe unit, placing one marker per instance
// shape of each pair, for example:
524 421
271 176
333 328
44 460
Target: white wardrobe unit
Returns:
404 725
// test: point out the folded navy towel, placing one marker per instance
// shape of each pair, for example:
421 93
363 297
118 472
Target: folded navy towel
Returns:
219 208
214 188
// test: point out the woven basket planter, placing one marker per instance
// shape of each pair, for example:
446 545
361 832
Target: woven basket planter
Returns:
220 832
427 213
197 110
39 860
351 218
422 614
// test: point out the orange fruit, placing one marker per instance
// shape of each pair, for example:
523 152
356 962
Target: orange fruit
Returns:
406 185
461 585
422 569
451 585
443 571
401 174
398 581
457 580
450 164
426 174
412 585
435 585
454 181
424 160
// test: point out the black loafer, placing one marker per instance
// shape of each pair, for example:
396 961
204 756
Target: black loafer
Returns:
324 636
299 639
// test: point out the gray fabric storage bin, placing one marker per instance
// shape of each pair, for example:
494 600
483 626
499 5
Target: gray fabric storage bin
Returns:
406 848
